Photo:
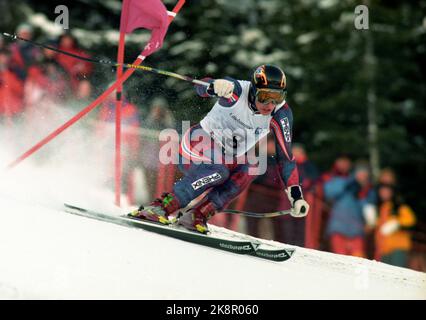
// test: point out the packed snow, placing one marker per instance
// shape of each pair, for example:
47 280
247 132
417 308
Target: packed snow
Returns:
47 253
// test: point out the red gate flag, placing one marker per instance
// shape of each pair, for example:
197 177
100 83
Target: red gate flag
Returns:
148 14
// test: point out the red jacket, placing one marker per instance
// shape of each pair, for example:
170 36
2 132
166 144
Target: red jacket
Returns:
73 66
42 84
11 93
130 124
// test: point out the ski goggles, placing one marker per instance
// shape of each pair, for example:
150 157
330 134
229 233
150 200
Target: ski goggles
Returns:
266 96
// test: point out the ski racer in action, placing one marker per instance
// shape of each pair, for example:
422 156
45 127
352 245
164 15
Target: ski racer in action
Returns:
245 112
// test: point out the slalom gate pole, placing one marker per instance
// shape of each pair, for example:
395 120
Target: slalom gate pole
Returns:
90 107
118 105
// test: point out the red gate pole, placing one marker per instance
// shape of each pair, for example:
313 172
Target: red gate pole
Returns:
118 105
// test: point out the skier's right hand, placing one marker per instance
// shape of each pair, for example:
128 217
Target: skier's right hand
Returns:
299 205
300 208
223 88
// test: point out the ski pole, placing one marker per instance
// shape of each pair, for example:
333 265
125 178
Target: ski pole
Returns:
258 214
112 63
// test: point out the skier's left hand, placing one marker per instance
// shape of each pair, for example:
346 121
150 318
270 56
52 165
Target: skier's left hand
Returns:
223 88
299 206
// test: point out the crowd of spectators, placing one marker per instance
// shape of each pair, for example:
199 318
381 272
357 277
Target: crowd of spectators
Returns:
33 79
36 83
354 216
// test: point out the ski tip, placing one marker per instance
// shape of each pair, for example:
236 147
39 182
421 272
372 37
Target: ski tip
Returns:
69 206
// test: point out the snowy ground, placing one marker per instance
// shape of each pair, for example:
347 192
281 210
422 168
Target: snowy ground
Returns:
48 254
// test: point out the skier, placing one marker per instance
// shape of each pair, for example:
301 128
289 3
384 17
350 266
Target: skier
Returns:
244 113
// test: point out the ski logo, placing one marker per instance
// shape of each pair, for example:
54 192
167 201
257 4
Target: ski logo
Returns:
205 180
282 255
245 247
260 76
286 129
255 245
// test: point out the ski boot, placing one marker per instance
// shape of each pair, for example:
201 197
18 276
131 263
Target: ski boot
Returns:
196 218
158 210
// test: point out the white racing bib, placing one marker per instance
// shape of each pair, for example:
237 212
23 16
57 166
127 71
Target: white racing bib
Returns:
237 129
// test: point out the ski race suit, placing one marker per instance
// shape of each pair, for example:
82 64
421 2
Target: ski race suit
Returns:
232 127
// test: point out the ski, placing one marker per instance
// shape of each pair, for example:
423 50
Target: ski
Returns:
217 238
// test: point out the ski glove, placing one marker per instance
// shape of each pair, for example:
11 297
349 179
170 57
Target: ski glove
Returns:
389 227
369 212
223 88
298 204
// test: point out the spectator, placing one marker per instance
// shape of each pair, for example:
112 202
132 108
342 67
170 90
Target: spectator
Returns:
387 176
292 231
76 69
341 168
349 196
130 138
84 90
307 170
83 94
393 239
11 89
47 82
160 117
265 195
81 98
129 116
23 53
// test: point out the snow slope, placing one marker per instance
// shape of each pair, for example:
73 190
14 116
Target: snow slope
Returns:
49 254
46 253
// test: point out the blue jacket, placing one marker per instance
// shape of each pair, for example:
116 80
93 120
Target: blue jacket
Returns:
346 217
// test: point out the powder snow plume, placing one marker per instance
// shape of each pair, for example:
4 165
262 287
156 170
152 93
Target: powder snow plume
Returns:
75 167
